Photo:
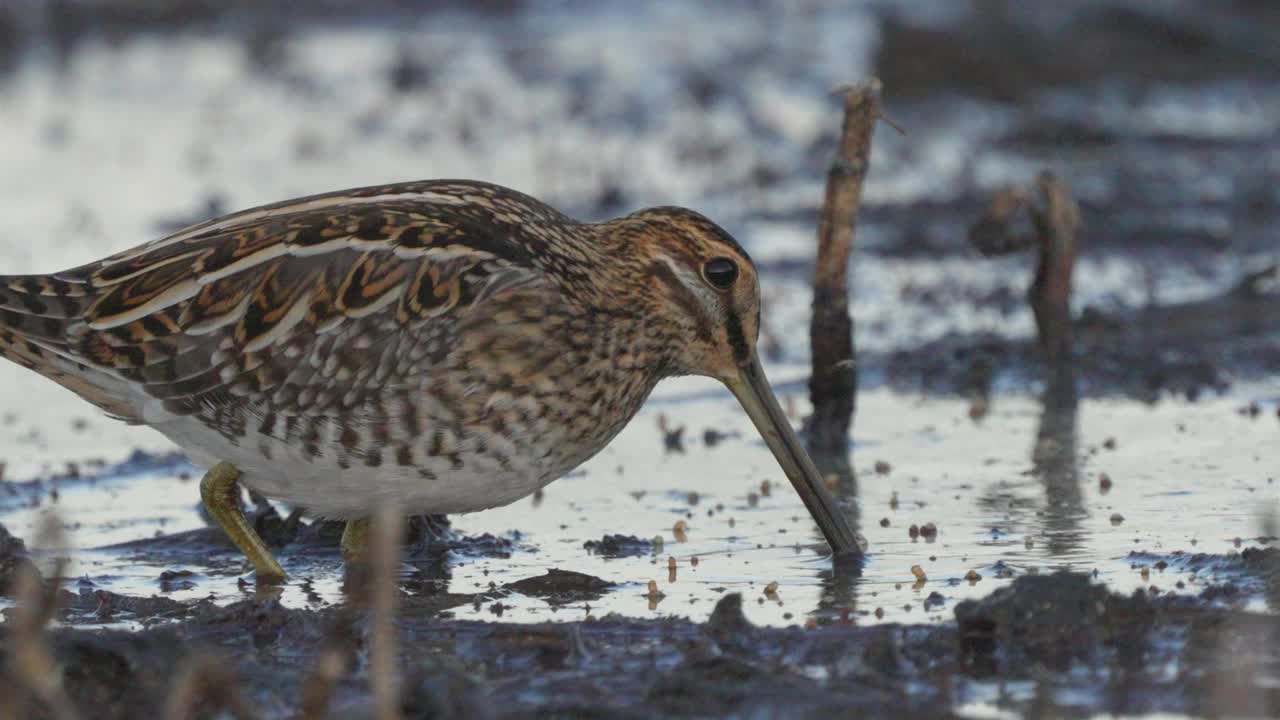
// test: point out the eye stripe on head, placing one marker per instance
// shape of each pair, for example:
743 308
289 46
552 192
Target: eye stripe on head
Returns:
699 301
690 280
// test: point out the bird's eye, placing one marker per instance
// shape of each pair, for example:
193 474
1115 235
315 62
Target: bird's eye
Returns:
720 272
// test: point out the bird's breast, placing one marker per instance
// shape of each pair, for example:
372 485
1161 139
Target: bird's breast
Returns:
485 427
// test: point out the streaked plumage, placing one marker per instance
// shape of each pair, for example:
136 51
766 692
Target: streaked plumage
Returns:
451 345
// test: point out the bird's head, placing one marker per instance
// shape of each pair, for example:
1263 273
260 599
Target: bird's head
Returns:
703 299
702 287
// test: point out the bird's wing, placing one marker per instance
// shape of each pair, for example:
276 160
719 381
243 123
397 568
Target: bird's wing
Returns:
300 301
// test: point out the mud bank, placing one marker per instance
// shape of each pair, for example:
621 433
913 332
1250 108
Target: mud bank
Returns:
1055 645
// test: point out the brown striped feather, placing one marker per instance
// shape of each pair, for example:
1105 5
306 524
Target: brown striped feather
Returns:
213 307
332 311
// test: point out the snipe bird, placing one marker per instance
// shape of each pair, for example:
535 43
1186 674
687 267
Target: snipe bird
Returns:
446 346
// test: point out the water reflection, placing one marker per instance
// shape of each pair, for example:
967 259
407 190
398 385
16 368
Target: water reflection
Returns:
1053 459
840 581
431 574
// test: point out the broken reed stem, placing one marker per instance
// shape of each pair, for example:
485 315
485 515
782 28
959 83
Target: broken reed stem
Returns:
384 594
1057 219
834 383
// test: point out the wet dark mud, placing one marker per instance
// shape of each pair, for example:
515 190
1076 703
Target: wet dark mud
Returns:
617 546
1054 645
1187 350
1005 52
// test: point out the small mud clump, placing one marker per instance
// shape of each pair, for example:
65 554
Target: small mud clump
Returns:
1050 620
619 546
562 587
106 606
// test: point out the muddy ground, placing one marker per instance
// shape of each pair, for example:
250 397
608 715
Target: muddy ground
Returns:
1157 594
1045 646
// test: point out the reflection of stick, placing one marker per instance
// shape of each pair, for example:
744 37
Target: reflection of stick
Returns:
387 533
833 386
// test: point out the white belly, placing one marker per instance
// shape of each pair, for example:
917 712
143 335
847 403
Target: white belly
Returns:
284 472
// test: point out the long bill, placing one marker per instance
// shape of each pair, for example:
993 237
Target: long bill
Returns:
752 390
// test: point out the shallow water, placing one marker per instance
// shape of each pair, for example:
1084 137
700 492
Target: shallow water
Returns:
1017 491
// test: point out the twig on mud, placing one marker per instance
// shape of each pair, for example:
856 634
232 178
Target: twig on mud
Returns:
833 385
30 661
388 529
205 684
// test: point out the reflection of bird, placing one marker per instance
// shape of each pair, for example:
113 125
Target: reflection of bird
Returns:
447 346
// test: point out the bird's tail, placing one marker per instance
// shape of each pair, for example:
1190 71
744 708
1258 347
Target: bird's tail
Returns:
36 312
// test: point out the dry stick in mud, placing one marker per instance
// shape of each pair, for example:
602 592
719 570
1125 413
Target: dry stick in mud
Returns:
1056 224
1055 218
834 383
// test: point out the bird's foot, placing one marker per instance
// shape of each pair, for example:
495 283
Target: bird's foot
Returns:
355 541
220 490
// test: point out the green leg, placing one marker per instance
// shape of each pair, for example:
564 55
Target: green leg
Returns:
221 494
355 541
